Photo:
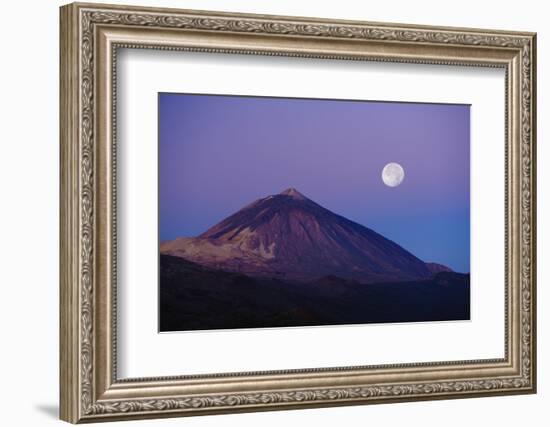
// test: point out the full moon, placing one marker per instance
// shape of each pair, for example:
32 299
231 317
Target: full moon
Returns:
393 174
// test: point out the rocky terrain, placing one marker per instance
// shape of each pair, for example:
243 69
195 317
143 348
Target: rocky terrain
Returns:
290 237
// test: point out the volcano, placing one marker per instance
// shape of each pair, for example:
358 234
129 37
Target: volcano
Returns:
290 237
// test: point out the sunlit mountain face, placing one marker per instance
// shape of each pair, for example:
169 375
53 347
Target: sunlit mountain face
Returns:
290 237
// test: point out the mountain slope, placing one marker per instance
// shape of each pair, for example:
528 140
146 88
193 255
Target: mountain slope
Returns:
291 237
435 268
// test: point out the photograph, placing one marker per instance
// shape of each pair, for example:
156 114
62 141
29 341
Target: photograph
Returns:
287 212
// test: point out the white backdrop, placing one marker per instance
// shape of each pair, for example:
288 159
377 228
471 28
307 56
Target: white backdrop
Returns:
29 170
145 353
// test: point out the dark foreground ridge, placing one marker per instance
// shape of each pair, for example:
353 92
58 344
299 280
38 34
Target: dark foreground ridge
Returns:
195 297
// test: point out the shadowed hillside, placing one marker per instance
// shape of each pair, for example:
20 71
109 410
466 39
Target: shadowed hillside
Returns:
195 297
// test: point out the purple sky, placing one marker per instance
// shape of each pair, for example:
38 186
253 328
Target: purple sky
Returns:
219 153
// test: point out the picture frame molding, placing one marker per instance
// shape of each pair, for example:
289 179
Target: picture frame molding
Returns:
89 39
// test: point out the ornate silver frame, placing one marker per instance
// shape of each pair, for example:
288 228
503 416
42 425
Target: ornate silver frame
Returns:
90 36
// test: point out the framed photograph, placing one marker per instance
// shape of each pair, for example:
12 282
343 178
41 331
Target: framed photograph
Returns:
266 212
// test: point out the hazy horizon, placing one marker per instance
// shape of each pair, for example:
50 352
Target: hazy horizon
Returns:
219 153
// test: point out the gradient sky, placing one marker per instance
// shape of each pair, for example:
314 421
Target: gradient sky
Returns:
219 153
